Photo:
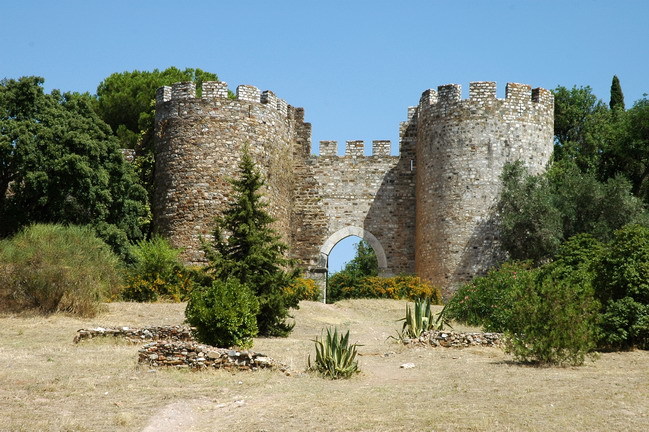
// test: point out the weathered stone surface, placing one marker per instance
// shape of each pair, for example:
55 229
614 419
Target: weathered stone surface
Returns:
197 356
428 210
452 339
137 335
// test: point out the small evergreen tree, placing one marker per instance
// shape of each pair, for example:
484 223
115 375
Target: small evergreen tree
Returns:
617 97
248 249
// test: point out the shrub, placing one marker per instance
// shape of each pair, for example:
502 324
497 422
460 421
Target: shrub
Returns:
156 273
487 300
624 324
397 287
334 356
622 282
53 268
303 289
553 320
223 314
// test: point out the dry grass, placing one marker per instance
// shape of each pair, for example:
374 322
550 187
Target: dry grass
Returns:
48 383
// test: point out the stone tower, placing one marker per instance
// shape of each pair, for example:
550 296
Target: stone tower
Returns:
198 148
462 147
427 210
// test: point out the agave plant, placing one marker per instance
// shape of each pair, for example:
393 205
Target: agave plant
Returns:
419 319
334 356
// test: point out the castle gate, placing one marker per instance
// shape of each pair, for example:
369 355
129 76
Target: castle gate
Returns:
428 210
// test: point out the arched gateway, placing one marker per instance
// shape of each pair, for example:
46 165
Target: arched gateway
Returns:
333 240
427 210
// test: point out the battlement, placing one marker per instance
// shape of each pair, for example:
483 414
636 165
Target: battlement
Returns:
355 148
517 96
214 90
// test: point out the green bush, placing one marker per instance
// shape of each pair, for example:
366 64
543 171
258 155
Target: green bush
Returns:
53 268
553 320
625 324
397 287
335 357
156 273
622 285
487 301
224 314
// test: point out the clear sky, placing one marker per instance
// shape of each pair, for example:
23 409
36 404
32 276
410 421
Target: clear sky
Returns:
355 66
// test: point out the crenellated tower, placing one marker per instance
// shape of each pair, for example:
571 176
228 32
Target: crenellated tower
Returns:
198 148
462 147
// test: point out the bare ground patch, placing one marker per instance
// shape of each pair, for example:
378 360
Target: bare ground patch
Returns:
48 383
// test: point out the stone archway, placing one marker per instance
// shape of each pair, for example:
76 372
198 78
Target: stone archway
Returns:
333 239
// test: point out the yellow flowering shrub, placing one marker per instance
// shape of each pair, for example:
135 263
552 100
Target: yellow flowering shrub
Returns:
303 289
396 287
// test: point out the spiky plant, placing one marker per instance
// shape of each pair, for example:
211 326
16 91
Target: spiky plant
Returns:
335 357
420 319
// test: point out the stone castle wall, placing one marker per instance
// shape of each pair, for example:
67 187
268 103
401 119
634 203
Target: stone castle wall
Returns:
462 146
374 195
427 210
198 148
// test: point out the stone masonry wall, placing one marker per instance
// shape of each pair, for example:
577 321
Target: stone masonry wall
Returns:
462 146
373 193
198 148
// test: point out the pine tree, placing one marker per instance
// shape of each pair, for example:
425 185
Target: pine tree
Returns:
248 249
617 97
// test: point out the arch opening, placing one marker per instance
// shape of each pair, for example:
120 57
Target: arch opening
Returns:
343 233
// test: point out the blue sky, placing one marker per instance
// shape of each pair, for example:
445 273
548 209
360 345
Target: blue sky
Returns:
355 66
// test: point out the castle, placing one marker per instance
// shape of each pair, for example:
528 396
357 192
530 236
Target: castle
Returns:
428 210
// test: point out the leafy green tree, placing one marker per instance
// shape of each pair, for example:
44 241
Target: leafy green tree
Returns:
539 212
530 224
248 249
617 97
126 101
60 163
582 126
628 153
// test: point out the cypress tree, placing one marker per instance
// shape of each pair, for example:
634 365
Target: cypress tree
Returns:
617 97
247 248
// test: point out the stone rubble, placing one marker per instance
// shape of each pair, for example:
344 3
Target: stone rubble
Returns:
197 356
452 339
174 346
137 335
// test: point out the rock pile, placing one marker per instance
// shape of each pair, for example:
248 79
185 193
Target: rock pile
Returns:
174 346
196 356
137 335
451 339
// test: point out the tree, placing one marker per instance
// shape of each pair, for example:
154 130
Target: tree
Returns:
617 97
530 224
126 102
537 213
582 127
628 153
248 249
60 163
364 262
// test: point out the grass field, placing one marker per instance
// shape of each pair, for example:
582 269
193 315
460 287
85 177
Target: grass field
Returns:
47 383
